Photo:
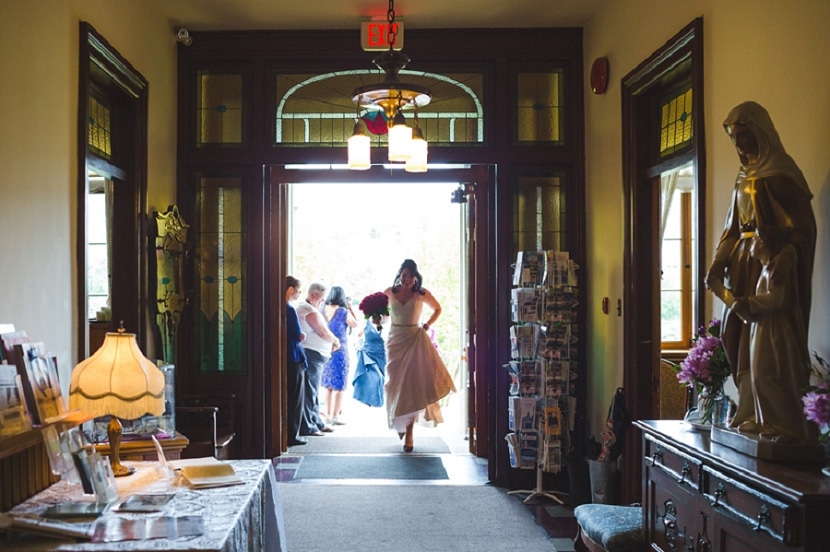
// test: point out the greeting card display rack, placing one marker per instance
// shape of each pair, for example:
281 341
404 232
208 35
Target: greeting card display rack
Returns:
543 364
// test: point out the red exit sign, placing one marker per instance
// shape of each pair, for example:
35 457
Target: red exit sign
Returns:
374 35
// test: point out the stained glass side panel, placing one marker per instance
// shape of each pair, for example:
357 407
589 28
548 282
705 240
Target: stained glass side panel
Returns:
540 107
676 122
539 213
220 108
220 267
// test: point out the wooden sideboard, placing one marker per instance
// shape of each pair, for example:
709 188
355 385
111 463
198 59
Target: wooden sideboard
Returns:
144 449
700 496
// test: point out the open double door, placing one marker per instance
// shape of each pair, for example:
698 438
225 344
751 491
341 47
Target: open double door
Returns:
479 286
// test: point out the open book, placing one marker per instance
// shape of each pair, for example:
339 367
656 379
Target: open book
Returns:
216 474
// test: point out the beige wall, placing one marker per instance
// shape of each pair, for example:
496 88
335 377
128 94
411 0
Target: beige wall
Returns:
763 50
39 98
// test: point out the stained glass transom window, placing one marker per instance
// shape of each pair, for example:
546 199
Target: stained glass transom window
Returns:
100 128
540 107
317 110
220 271
676 122
220 108
539 213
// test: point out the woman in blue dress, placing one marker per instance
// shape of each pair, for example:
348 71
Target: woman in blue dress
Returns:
370 372
338 312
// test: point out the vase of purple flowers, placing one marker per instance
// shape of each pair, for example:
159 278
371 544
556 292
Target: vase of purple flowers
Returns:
705 369
817 400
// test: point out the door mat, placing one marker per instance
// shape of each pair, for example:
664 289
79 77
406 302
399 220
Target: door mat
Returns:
371 467
333 443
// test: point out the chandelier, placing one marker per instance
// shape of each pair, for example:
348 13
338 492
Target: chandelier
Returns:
390 98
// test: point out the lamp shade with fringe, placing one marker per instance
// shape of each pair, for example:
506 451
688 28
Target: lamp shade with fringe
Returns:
118 380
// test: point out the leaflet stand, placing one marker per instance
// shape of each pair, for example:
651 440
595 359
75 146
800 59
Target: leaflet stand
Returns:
540 491
543 349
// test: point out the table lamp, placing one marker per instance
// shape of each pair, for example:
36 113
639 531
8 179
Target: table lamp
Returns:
117 381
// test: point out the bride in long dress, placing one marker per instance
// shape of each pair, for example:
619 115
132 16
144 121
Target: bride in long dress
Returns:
418 378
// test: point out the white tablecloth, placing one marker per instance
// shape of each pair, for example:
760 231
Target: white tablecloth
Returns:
238 517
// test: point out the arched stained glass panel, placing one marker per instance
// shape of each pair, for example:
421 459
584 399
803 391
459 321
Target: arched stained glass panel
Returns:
317 110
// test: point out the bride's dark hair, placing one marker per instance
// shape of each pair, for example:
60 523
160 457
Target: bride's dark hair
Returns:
410 265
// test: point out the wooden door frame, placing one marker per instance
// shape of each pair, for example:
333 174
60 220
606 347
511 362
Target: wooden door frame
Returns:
482 290
641 326
129 281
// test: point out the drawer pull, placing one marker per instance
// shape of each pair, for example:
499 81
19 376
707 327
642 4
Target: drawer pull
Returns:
719 494
763 517
656 455
684 471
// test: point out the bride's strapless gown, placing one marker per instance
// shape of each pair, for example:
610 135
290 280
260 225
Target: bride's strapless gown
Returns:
418 378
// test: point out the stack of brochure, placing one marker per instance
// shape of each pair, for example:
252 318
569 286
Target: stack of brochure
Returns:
210 473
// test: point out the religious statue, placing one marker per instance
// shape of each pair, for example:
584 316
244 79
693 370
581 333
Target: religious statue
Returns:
771 290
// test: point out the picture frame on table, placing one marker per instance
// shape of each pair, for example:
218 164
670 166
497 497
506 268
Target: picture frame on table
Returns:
39 379
57 448
13 418
9 339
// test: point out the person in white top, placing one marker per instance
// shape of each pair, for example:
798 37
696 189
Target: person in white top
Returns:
319 343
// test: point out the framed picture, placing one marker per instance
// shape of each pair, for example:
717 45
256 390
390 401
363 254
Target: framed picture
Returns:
39 379
13 419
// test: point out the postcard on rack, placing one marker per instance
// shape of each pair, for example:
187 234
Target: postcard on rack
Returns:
211 475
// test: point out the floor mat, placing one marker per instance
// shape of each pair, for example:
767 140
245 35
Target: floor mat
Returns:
371 467
332 443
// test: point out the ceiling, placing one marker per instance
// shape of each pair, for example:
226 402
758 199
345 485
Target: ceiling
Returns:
214 15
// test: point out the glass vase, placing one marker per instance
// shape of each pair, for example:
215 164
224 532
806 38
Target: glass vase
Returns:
721 409
704 406
713 407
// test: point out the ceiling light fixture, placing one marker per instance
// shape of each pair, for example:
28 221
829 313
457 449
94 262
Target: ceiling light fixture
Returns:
392 97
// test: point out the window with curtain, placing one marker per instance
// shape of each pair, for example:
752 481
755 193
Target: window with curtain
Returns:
677 261
99 209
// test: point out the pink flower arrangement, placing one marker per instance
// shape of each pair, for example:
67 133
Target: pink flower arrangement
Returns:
374 306
706 365
817 399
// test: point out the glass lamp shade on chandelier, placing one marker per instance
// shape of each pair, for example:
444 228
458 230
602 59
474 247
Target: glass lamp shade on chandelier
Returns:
392 97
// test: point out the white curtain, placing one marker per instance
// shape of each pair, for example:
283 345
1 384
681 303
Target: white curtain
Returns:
668 184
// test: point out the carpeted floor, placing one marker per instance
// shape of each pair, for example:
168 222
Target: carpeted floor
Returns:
371 467
390 444
407 518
